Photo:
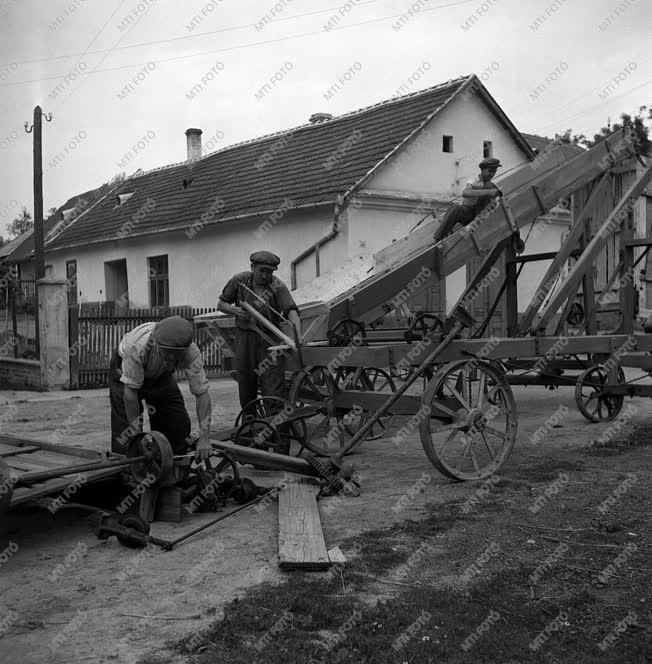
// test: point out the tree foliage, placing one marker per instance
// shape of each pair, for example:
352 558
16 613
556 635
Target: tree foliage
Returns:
20 224
637 122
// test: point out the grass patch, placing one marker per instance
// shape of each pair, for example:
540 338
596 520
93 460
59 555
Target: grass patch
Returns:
640 437
545 469
308 622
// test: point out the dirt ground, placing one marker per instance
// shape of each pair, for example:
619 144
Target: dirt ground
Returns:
112 604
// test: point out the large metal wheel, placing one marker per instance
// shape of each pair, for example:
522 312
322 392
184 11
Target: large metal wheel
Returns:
329 428
480 434
593 401
159 466
292 434
368 379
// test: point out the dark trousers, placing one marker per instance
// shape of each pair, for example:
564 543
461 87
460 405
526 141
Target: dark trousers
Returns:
456 214
165 405
257 368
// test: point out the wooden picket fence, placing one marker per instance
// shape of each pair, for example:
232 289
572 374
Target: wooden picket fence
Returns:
94 335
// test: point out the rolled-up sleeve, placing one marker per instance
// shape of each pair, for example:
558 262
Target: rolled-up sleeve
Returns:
133 372
193 367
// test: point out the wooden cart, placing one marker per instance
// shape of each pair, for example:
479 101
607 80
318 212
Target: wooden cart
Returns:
342 386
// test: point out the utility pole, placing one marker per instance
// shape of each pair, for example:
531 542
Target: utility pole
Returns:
39 254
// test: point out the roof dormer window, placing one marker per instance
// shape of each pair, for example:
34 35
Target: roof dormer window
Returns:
123 198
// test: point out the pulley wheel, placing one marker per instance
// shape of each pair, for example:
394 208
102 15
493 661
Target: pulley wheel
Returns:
136 523
576 314
347 331
158 470
293 429
423 325
259 434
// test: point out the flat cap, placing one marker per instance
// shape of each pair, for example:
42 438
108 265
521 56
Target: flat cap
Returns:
173 333
265 258
489 162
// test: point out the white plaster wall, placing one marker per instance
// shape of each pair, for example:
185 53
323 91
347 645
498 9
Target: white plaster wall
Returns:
372 228
544 237
422 166
198 267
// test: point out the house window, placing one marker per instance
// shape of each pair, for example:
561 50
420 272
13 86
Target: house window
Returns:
159 290
447 144
487 149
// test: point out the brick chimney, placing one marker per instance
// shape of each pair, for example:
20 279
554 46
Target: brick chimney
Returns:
320 117
193 142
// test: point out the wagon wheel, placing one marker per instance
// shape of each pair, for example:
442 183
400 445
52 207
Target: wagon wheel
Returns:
423 325
347 331
267 408
329 428
369 379
576 314
478 438
592 401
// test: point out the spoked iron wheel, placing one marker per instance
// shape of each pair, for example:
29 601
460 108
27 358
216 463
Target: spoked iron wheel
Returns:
480 434
368 379
593 401
346 332
329 428
292 434
423 325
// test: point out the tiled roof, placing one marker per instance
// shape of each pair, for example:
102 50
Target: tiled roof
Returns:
23 245
540 143
11 245
311 164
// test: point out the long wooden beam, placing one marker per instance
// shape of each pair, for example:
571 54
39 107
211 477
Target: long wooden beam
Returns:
526 203
611 224
562 256
467 349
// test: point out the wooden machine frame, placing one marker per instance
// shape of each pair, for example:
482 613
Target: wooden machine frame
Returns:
466 414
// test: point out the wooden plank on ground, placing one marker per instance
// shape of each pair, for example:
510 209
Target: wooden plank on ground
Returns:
10 450
301 542
71 450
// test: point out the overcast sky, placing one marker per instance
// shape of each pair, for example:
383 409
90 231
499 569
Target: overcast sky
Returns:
548 64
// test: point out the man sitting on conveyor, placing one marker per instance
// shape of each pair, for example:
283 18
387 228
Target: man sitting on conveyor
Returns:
475 198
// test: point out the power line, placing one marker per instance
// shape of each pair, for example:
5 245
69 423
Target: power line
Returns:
590 108
240 46
173 39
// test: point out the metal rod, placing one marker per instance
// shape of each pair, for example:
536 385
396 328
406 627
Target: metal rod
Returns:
265 459
41 475
169 545
412 378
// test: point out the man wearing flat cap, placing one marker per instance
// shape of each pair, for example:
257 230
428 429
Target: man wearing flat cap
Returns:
142 369
477 195
271 297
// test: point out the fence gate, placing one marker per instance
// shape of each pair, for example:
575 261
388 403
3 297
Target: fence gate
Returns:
94 335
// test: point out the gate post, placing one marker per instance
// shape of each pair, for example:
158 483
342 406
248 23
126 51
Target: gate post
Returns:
54 350
73 345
